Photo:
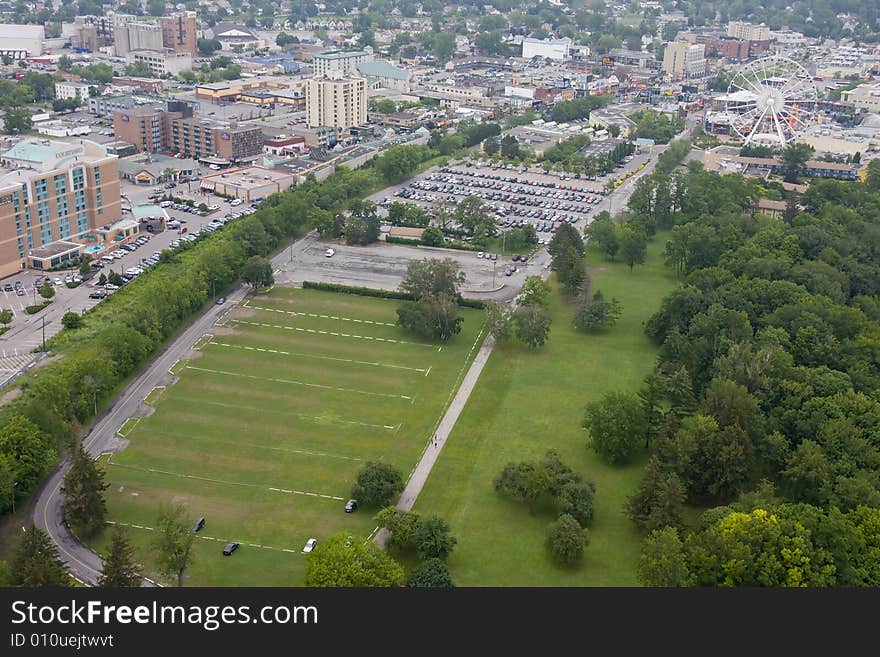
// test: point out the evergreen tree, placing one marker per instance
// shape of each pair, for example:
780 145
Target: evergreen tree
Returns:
120 570
36 561
84 507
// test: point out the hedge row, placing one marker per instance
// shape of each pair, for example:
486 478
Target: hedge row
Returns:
457 246
339 288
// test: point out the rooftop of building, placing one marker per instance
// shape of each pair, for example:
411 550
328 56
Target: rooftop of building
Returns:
341 54
53 249
8 30
248 177
155 163
383 69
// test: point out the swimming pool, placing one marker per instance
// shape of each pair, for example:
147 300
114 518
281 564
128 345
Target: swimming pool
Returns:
93 249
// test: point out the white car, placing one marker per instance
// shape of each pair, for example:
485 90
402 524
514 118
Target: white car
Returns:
480 254
329 253
235 202
310 545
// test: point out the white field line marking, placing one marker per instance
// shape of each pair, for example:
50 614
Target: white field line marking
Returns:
343 319
279 412
217 481
428 371
301 383
203 537
302 355
154 390
173 365
253 445
207 337
130 429
342 335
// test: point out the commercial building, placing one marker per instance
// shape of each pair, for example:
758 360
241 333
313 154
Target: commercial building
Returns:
340 102
232 34
68 90
108 105
865 97
386 75
227 92
726 159
53 193
161 62
179 32
152 169
344 62
555 49
146 85
132 33
250 184
204 138
684 60
21 41
148 128
748 31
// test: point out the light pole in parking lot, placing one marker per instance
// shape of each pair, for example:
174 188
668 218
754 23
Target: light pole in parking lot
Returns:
494 262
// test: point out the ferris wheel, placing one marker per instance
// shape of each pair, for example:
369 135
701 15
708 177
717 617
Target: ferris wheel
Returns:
771 101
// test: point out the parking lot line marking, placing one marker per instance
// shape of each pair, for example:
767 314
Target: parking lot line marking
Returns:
319 357
280 412
344 335
209 479
319 316
428 372
298 383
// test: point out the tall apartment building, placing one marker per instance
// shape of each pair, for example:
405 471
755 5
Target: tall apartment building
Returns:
148 128
179 32
51 193
344 62
131 33
748 31
335 101
204 138
684 60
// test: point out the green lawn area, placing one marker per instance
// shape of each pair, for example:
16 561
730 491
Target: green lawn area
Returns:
528 402
265 430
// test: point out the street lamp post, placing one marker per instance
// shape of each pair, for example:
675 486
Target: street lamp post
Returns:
494 262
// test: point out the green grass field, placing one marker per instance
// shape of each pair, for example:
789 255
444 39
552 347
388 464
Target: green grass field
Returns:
528 402
266 429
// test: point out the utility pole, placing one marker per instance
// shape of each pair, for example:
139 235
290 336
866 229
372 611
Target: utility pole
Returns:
44 333
494 262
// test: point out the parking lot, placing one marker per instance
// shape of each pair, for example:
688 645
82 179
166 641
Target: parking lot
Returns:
516 197
383 266
26 331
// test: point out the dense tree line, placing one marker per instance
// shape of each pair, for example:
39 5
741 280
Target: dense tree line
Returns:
767 380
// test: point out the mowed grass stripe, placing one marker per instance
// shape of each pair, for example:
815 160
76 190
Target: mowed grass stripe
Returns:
271 366
340 332
321 419
318 357
330 303
265 394
268 337
224 482
295 313
188 419
300 383
243 443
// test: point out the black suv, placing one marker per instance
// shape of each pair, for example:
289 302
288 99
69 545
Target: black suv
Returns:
230 548
199 524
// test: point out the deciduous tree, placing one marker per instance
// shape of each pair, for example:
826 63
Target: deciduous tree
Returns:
173 542
566 540
346 561
377 484
617 426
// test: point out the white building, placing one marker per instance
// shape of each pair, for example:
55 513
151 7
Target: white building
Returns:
131 33
161 62
684 60
748 31
336 101
21 41
66 90
386 74
557 50
345 62
865 97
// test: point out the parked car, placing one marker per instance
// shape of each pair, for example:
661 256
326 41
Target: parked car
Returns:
310 545
351 505
98 294
230 548
329 253
220 301
198 525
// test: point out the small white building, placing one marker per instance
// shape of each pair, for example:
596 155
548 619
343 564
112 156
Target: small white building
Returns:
555 49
